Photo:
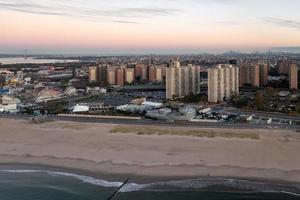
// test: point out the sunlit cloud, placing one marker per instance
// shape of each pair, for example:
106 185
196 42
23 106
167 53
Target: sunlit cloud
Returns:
102 13
282 22
80 25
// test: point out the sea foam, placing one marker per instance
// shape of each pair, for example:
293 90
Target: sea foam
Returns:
192 184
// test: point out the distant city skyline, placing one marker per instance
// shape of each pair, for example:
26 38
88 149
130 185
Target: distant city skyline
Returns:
145 27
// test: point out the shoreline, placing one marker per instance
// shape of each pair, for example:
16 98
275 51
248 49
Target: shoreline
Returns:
92 148
162 184
149 174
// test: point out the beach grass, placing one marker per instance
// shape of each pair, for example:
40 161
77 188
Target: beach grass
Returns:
193 133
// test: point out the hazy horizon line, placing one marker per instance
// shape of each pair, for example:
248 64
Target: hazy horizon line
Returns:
149 52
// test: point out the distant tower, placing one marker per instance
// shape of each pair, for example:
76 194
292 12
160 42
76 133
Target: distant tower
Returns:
25 54
152 59
270 53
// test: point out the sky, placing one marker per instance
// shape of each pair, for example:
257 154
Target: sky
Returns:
147 26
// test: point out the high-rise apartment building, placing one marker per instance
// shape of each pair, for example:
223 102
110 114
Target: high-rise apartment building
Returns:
93 74
145 73
263 74
284 66
182 80
249 74
152 73
98 74
112 75
138 72
185 81
194 79
102 75
293 77
159 74
120 76
164 73
129 75
223 82
173 80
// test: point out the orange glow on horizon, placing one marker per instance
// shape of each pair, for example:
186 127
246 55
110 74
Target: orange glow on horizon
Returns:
58 32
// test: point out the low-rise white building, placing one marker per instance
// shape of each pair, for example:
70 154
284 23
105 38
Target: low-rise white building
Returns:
9 103
79 108
96 90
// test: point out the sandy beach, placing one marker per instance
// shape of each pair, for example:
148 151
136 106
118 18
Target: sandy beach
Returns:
273 156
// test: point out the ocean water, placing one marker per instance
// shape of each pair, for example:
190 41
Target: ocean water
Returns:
56 185
31 60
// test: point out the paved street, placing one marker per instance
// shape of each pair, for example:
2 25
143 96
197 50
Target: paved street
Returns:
155 123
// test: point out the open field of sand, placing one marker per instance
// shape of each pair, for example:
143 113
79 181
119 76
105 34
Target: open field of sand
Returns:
261 154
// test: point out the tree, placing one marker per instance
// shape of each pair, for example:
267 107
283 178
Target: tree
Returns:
298 109
240 102
259 100
138 79
270 90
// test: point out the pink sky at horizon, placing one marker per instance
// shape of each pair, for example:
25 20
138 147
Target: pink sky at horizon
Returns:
33 31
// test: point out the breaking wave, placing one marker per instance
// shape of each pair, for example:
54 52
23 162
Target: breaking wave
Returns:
192 184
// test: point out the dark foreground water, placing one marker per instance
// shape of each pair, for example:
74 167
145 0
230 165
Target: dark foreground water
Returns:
55 185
